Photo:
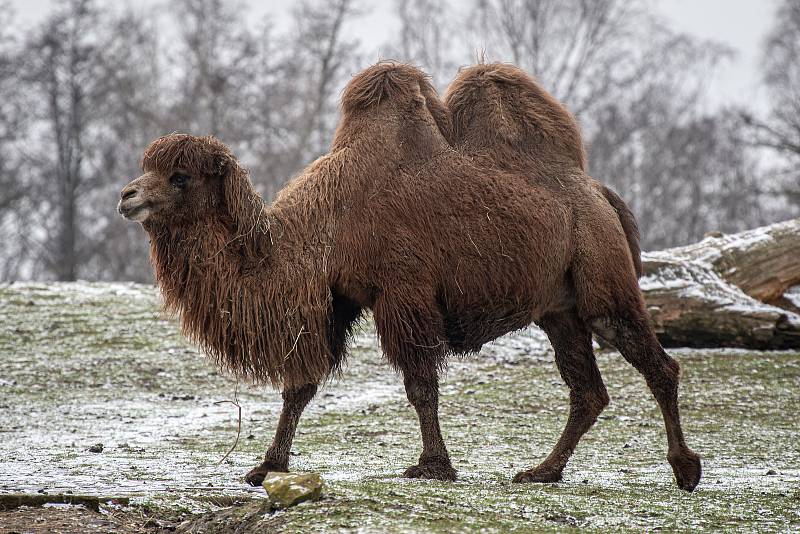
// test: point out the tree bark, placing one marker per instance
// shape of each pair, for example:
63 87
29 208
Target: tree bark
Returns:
727 290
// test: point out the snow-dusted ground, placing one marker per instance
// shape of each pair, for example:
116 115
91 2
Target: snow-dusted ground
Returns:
82 364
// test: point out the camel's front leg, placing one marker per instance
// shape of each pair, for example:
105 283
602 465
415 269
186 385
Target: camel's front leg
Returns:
422 389
277 457
410 327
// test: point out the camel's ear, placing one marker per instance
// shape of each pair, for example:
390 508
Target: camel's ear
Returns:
237 191
222 165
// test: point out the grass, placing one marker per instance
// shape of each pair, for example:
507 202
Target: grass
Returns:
97 363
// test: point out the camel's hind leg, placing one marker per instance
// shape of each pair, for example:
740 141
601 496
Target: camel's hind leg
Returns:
638 344
572 342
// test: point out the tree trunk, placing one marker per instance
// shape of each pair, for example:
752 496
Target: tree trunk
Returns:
727 291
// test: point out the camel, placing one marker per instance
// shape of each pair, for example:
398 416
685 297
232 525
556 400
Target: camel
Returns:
447 253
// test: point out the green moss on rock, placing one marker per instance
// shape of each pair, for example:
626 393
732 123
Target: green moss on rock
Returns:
288 489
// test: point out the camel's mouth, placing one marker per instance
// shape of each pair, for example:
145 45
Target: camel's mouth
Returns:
133 211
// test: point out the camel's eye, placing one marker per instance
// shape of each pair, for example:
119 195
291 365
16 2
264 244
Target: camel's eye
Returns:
179 180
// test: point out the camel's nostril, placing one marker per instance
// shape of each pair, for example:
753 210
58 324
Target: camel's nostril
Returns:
128 193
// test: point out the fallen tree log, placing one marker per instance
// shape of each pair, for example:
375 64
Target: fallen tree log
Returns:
695 299
764 262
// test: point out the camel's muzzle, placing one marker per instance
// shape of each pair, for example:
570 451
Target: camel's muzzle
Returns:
131 206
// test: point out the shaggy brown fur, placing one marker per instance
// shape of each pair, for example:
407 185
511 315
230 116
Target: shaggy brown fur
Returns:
501 113
447 254
504 120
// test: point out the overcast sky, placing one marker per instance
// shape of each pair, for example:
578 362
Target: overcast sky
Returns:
741 24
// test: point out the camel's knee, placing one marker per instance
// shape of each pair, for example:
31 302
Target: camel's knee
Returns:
298 398
598 401
621 333
605 329
664 377
590 403
420 391
668 370
419 395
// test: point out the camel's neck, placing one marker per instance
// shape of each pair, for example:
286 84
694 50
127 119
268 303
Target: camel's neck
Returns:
209 272
240 298
202 268
208 255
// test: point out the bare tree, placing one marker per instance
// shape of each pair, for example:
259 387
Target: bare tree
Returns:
426 37
12 114
779 131
93 101
63 73
782 77
588 54
637 88
273 107
210 62
580 50
15 210
655 143
323 53
135 112
295 79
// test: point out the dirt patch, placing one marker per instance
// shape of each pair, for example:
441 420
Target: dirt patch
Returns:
67 519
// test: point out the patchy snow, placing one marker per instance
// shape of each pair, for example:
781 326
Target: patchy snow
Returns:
709 250
793 296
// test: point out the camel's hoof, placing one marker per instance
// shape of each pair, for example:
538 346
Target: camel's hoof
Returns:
687 469
432 469
537 475
257 475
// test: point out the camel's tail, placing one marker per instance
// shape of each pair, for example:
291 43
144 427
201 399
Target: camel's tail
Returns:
499 109
629 225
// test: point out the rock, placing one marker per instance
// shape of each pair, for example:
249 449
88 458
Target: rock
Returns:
288 489
97 447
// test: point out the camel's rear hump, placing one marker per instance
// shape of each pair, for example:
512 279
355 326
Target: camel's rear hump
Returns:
501 113
499 108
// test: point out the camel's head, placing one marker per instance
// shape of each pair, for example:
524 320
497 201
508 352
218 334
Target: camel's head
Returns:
182 181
